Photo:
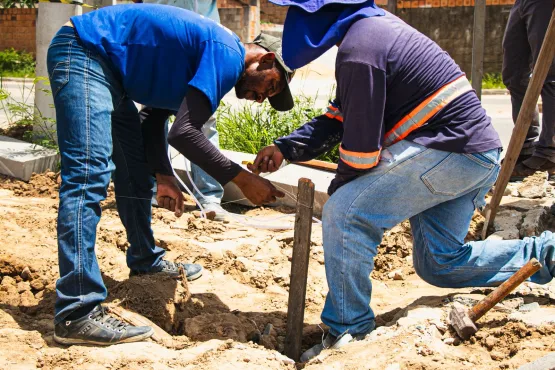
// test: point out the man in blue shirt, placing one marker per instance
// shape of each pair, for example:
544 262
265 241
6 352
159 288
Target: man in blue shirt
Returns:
99 64
210 189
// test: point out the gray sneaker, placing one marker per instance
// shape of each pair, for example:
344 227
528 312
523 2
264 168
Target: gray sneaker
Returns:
99 328
330 342
214 211
192 270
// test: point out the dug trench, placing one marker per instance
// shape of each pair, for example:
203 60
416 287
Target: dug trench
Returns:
218 320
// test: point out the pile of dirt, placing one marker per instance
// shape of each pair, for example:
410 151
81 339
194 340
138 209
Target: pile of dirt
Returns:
39 185
219 320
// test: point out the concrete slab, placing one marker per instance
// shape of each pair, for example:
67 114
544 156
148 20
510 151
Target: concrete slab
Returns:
285 179
20 159
543 363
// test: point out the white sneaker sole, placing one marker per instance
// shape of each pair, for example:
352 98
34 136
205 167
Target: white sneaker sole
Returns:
73 341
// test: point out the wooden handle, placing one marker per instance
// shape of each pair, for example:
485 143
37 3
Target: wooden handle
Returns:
319 165
504 289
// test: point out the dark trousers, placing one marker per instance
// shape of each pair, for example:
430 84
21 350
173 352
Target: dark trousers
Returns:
522 42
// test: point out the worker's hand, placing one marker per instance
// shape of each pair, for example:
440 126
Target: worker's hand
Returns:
268 159
169 196
257 189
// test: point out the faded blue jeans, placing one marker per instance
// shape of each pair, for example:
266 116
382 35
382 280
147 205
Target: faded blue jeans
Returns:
210 188
438 192
98 127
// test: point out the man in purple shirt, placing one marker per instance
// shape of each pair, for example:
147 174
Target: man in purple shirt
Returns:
415 143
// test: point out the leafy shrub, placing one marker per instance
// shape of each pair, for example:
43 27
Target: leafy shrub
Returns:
15 63
253 126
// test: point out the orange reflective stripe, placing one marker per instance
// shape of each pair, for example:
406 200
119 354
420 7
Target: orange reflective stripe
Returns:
359 160
420 115
334 113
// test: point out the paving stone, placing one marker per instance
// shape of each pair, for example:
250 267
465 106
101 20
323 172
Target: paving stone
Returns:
534 186
543 363
285 179
20 159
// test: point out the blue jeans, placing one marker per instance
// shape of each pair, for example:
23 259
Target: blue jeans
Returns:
98 127
438 192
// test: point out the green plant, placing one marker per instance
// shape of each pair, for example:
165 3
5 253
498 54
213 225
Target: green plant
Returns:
493 81
252 126
15 63
21 3
27 119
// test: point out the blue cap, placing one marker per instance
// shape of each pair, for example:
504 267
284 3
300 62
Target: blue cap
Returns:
312 6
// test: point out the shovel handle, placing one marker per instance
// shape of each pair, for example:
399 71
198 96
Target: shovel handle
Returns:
504 289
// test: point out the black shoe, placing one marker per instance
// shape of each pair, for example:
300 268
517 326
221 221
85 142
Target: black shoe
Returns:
192 270
99 328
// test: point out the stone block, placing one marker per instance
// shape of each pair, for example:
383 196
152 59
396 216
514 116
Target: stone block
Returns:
285 179
543 363
20 159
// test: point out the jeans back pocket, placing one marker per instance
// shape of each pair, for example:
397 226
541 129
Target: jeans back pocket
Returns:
457 174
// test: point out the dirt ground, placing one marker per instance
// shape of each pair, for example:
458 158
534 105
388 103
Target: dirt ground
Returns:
217 321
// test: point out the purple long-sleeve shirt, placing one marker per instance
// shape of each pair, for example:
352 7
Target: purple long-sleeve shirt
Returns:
384 69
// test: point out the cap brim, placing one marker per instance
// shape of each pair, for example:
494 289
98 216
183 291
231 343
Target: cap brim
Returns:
283 101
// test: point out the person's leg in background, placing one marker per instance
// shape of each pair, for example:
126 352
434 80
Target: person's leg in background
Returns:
517 57
212 191
536 15
85 92
522 43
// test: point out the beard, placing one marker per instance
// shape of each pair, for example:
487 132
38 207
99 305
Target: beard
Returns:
240 87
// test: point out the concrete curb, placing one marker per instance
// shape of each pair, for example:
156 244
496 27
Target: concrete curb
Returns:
17 79
495 92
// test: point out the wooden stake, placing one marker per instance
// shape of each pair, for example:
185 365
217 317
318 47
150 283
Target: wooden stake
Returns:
299 269
547 54
478 42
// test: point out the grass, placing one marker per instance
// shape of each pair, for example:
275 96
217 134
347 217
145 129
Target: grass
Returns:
15 63
253 126
492 81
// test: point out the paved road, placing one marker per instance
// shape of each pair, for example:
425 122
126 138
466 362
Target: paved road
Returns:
317 83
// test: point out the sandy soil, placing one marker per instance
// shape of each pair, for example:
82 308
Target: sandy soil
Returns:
217 320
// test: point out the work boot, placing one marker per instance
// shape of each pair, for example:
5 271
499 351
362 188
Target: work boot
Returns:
99 328
192 270
530 166
214 211
330 342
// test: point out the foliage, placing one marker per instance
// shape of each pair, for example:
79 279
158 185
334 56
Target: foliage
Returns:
15 63
493 81
253 126
26 117
21 3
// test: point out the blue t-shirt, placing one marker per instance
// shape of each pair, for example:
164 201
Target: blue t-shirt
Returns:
159 51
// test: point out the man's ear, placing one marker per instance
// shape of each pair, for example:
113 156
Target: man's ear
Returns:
267 60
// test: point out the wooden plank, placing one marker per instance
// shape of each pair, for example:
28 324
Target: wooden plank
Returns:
299 269
478 44
319 165
547 54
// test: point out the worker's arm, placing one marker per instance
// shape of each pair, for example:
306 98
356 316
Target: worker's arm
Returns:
153 126
318 136
186 136
362 92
